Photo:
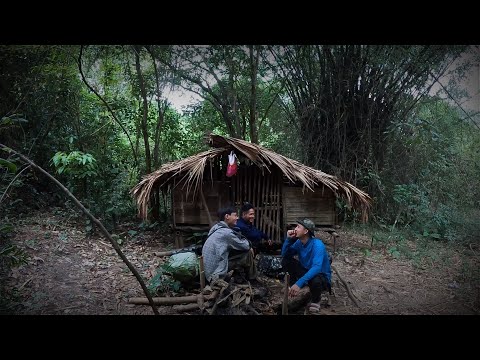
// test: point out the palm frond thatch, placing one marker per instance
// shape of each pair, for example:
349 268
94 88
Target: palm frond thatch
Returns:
190 172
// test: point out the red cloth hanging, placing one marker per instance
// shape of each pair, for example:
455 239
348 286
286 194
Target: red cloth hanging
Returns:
232 166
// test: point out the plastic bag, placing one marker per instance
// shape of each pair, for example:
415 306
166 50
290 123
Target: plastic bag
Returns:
232 166
184 266
271 266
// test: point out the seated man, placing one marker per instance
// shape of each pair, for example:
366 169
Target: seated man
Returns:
254 235
312 266
226 248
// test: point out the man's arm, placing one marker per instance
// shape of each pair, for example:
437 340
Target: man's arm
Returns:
287 249
251 232
318 254
237 241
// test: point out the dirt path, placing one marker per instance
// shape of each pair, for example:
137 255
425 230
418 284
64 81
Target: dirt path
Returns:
384 284
70 273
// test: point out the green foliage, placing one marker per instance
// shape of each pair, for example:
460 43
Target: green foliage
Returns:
13 256
77 164
8 165
421 170
10 254
428 184
6 229
162 282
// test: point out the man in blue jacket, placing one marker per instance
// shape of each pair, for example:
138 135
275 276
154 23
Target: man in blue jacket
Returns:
258 239
313 264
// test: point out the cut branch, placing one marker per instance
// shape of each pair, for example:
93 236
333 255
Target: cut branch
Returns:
349 292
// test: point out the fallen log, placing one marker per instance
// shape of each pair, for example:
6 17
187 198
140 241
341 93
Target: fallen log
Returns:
173 300
177 251
187 307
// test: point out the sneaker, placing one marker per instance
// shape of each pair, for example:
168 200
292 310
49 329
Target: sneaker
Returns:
313 308
325 300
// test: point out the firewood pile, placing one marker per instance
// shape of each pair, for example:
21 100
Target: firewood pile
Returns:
218 298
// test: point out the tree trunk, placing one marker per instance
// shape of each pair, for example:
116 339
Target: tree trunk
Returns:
253 96
141 83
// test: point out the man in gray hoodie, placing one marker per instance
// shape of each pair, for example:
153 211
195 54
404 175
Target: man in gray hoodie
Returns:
226 248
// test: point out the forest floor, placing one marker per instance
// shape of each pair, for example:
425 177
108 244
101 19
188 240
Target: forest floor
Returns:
68 272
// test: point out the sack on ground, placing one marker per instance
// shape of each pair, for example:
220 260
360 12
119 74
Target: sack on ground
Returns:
270 265
184 267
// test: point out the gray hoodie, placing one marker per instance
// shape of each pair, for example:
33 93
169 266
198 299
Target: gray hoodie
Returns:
221 239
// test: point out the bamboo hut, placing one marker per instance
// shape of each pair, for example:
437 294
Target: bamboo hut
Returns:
281 189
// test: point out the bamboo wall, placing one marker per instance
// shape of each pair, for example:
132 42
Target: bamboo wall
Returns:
276 203
189 211
263 191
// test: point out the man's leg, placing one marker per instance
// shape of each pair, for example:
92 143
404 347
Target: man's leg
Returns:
246 261
318 284
293 267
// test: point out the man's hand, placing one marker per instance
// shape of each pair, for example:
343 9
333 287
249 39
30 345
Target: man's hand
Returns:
293 291
270 242
291 233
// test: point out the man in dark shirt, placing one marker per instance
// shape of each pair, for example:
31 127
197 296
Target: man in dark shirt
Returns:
259 240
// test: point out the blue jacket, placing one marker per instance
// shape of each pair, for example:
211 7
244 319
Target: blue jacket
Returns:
312 256
251 232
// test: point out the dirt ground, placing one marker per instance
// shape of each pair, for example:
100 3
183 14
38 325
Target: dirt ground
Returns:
68 272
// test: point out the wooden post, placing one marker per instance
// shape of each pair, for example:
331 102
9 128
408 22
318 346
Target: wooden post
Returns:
202 272
285 295
178 240
210 222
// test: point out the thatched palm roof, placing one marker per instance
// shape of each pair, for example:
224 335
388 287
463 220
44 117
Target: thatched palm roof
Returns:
191 170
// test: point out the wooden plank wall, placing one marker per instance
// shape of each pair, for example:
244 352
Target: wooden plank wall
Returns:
264 192
189 211
318 206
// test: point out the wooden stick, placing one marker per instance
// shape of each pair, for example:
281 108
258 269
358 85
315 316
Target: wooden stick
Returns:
285 295
226 297
350 295
201 302
214 308
202 272
165 253
191 248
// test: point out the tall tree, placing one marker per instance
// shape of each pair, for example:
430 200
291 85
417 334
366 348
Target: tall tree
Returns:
344 97
227 78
